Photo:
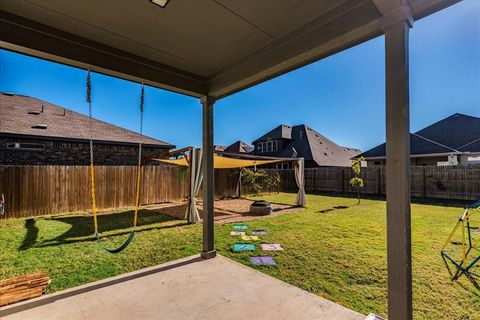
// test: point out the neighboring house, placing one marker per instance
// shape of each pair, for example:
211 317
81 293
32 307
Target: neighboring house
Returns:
239 147
33 131
236 147
451 141
219 148
302 141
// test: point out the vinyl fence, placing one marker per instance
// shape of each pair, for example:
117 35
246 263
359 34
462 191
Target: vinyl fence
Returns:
459 182
39 190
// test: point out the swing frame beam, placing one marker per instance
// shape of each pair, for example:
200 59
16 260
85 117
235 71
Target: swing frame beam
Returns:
463 267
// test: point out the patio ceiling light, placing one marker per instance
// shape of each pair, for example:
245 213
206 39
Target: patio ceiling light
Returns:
161 3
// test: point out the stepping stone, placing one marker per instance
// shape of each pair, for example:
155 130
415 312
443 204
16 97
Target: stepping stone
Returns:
272 247
243 247
259 232
237 233
258 261
240 227
250 238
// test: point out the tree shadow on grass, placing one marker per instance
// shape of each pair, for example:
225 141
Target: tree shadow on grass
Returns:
333 209
31 235
82 230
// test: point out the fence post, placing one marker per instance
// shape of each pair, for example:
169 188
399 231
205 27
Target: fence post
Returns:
424 173
379 181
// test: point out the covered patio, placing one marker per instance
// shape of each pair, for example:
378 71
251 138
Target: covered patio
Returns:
213 49
190 288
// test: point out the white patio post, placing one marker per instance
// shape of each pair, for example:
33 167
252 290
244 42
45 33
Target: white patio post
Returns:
398 172
208 182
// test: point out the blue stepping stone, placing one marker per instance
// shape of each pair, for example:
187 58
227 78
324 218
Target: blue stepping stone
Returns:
243 247
240 227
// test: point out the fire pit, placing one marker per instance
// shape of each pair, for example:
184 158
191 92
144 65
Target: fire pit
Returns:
261 208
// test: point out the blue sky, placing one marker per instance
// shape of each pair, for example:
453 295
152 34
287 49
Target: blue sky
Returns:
342 96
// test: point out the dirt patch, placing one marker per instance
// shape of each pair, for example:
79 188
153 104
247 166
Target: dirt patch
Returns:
226 211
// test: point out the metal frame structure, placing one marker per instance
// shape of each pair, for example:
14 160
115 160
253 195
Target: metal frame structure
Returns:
464 266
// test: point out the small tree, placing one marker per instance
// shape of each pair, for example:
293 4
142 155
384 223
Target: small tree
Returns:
357 182
272 181
251 180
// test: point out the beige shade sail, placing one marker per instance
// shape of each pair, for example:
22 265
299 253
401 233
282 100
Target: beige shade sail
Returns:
220 162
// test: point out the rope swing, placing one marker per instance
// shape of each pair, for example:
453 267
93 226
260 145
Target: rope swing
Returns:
92 171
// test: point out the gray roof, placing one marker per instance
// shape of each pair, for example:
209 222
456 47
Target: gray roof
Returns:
281 132
22 115
455 134
238 147
311 145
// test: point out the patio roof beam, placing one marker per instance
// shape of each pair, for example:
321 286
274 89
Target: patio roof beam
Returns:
337 30
35 39
399 260
347 25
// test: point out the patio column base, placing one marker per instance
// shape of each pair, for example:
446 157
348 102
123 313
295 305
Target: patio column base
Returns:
208 254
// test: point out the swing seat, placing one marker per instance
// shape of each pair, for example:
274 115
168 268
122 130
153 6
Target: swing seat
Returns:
121 247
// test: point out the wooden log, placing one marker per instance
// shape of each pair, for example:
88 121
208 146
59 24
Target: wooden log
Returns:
23 287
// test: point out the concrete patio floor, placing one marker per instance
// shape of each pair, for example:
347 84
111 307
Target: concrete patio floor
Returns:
190 288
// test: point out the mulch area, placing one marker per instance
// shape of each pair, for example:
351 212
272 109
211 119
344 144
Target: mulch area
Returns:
226 211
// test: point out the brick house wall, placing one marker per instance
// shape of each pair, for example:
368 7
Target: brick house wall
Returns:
58 152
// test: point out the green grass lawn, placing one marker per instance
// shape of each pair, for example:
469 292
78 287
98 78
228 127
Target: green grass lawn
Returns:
339 254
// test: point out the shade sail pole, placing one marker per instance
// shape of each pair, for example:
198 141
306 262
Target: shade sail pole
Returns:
208 179
399 257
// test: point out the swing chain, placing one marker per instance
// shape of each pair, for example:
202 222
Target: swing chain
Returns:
92 168
2 206
139 165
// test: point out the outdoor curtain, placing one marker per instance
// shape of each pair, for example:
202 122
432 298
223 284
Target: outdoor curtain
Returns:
300 179
196 177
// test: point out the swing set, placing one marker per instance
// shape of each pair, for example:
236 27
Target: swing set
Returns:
462 248
92 173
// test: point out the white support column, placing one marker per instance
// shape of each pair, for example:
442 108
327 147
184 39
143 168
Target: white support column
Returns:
398 172
208 182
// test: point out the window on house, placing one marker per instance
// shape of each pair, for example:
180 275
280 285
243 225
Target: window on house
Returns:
26 146
275 146
267 146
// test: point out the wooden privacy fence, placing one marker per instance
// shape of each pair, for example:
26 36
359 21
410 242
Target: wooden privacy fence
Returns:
456 182
39 190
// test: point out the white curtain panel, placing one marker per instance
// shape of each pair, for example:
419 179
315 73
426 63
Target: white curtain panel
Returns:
196 177
300 179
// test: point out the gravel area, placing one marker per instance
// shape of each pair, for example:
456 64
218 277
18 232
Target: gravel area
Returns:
226 211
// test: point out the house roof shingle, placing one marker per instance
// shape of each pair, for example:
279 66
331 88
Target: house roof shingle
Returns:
281 132
311 145
239 147
454 134
22 115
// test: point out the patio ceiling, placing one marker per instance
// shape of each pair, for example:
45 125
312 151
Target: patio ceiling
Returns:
197 47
